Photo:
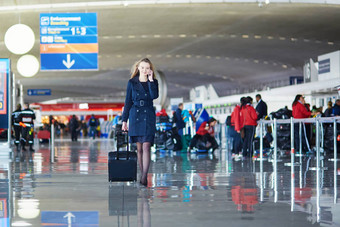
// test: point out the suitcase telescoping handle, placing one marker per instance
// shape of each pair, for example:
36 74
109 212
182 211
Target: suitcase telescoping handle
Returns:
127 147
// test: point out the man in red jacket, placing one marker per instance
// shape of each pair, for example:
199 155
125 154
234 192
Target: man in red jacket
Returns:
250 121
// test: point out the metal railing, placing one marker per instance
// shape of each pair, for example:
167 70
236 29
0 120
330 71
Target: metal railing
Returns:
318 145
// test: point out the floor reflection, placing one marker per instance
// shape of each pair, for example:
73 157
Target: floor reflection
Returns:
184 189
128 200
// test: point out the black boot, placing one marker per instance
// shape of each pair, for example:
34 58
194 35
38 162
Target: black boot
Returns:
23 145
31 148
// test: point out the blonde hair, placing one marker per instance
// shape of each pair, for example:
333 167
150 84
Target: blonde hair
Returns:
134 69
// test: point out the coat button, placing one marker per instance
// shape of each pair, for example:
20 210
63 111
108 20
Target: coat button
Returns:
145 94
144 119
137 93
137 110
144 111
137 119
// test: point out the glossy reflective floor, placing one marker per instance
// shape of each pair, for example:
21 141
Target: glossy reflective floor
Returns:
183 190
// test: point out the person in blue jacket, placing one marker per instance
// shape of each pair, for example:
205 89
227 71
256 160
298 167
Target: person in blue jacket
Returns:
93 124
142 89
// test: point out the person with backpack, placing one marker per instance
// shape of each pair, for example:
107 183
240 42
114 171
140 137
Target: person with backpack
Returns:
249 116
93 123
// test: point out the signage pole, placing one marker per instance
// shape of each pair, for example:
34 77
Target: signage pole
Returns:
22 95
52 142
292 172
14 101
9 110
335 160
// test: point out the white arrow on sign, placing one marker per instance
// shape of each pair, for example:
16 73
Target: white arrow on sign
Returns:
69 217
68 63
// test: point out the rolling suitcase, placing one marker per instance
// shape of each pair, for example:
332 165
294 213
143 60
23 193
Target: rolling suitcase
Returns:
122 165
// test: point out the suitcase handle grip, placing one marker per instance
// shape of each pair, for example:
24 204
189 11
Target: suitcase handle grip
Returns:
127 147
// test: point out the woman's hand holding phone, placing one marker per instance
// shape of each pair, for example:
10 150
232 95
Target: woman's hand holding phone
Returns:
150 75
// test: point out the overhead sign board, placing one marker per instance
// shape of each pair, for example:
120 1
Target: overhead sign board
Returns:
38 92
68 41
329 66
324 66
70 218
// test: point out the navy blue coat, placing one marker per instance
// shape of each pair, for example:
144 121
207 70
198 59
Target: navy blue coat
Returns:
262 109
139 107
179 123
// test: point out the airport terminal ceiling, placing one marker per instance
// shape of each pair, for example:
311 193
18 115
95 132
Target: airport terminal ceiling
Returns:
234 47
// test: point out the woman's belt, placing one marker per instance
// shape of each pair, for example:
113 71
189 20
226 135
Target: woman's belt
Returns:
142 103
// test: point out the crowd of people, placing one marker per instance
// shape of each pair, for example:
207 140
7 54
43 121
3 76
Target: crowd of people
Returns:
91 128
243 122
74 127
204 139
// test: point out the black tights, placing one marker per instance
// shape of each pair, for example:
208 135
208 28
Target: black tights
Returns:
143 155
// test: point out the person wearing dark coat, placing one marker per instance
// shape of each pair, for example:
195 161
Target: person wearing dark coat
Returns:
26 118
16 125
336 108
74 126
329 111
142 89
261 107
93 124
180 124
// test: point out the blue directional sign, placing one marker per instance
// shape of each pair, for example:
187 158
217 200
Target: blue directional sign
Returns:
68 41
73 61
38 92
5 72
70 218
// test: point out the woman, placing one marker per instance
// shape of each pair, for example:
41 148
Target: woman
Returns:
300 110
142 89
249 116
236 126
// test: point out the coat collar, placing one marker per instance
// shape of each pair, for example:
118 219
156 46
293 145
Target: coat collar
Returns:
137 83
135 79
